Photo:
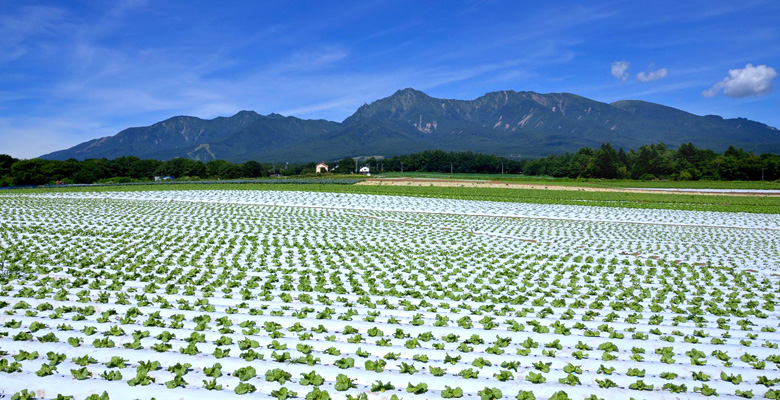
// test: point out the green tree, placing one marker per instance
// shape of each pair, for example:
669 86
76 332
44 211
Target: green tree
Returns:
29 172
230 171
605 163
253 169
6 162
346 165
143 169
214 167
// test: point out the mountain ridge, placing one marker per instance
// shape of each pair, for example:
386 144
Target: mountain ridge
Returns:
505 123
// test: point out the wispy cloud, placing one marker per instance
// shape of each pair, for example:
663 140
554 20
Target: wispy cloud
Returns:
22 30
347 102
91 68
661 88
312 59
33 136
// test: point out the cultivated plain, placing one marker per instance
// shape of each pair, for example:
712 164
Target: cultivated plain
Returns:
275 293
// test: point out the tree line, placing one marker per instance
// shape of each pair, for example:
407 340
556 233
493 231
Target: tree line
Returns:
437 161
654 161
131 169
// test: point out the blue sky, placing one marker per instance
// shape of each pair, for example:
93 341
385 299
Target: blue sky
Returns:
71 71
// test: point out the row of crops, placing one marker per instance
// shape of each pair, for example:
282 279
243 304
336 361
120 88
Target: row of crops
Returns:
204 294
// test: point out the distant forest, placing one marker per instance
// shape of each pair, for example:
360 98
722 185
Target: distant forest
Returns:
654 161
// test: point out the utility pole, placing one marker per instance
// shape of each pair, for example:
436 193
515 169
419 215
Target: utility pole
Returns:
356 168
502 168
762 174
450 167
402 167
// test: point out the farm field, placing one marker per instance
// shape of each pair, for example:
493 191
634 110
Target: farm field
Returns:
590 182
330 294
767 204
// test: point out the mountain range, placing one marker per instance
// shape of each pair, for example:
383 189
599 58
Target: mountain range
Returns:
504 123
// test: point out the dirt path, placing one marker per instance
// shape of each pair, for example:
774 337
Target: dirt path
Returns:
517 185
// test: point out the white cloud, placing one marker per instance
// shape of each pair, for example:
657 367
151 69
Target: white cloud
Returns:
652 75
745 82
619 69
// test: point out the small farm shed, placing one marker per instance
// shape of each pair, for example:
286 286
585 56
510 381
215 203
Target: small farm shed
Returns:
318 169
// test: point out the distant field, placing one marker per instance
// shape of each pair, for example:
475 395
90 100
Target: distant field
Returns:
674 201
619 183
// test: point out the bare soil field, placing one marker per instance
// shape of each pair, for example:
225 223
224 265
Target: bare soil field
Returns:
518 185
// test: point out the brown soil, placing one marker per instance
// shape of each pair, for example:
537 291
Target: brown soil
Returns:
517 185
